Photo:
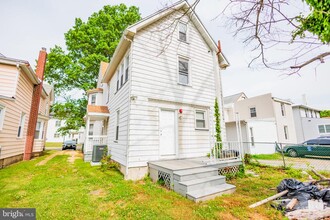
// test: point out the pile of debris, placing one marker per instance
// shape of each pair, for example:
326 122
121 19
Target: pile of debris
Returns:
309 200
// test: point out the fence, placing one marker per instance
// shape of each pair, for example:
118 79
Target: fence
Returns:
301 156
94 140
227 151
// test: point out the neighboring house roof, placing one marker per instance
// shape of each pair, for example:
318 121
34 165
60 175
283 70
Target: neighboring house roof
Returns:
103 67
24 65
305 106
94 90
287 101
130 32
233 98
97 109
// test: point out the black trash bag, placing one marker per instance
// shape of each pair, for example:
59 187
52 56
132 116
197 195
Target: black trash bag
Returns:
300 191
325 195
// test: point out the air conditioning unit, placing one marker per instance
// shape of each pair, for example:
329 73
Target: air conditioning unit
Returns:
98 152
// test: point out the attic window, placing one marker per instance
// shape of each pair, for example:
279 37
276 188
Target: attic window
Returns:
183 32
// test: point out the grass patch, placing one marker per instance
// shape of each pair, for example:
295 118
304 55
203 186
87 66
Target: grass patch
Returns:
60 190
53 144
275 156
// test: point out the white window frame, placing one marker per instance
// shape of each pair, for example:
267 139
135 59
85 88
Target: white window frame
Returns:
255 111
21 125
286 132
118 81
117 125
91 129
122 67
126 72
185 59
2 116
205 112
283 109
252 137
41 128
93 96
186 25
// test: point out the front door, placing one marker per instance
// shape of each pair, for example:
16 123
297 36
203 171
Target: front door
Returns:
167 134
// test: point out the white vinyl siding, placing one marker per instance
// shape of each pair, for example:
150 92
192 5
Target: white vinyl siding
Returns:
154 81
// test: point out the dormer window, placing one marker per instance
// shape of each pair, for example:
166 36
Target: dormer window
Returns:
93 99
182 31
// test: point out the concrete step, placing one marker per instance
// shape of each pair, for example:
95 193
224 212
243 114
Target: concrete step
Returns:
194 173
184 187
211 192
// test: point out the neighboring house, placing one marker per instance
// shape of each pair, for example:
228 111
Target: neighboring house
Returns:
24 109
309 124
155 99
262 120
53 136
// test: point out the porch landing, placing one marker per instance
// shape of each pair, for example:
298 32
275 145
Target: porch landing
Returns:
198 179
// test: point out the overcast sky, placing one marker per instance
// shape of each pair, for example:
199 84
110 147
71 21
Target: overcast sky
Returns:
28 25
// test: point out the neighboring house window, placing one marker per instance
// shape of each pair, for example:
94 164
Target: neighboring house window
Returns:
306 113
21 126
324 129
117 126
58 124
91 129
122 75
93 99
126 68
183 32
2 116
118 80
38 132
286 133
283 109
253 112
183 71
56 135
200 119
252 136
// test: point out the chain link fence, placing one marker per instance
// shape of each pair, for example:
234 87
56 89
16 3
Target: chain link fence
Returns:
300 156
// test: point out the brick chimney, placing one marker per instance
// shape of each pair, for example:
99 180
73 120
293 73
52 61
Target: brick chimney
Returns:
35 105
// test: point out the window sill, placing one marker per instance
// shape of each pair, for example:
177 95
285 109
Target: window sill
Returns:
181 84
202 129
182 41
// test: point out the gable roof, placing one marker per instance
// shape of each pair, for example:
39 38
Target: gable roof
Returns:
233 98
130 32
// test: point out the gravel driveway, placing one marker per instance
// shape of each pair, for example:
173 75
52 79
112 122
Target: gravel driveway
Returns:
300 163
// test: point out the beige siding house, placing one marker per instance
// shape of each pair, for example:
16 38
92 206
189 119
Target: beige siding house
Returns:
259 122
17 80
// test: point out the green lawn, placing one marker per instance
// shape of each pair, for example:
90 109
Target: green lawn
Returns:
275 156
60 190
53 144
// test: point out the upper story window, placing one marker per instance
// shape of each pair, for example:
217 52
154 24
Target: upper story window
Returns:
122 75
253 112
2 116
118 85
201 122
93 99
183 71
182 31
283 109
126 68
21 126
58 123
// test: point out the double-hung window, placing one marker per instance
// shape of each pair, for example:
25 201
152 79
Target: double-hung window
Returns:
118 76
38 132
117 126
2 116
183 71
182 31
253 112
21 126
91 130
126 68
122 75
201 122
286 133
93 99
283 109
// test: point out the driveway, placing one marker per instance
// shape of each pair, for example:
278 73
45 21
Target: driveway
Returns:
300 163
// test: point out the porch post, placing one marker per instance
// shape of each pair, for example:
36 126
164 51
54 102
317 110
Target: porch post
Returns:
87 134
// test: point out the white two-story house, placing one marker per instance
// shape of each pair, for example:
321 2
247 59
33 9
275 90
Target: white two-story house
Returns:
155 99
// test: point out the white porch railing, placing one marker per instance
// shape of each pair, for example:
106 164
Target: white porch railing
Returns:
94 140
226 151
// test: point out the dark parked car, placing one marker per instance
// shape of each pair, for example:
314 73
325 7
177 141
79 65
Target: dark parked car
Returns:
313 147
69 144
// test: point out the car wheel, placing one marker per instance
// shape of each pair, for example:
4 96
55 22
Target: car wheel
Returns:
293 153
74 148
63 148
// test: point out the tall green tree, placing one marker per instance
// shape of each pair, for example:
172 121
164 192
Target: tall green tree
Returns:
76 67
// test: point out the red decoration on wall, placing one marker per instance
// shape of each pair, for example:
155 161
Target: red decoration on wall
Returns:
180 110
